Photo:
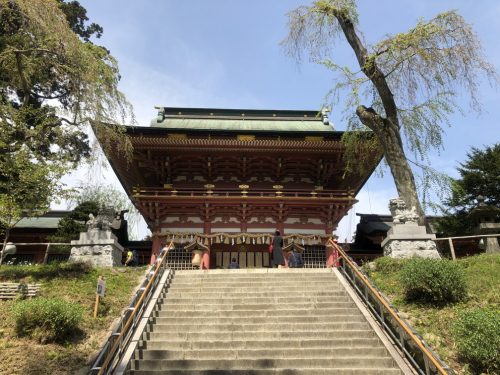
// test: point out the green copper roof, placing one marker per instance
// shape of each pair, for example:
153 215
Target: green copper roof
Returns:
38 222
241 120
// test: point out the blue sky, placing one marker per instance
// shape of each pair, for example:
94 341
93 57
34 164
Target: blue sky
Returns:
226 54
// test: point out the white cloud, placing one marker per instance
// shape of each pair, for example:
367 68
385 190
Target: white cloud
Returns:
201 83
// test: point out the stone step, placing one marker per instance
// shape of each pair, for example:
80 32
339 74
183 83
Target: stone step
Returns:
226 271
234 290
255 292
260 279
255 318
276 371
269 353
245 277
247 272
201 343
340 308
325 334
258 327
249 286
253 300
263 363
259 322
333 313
228 287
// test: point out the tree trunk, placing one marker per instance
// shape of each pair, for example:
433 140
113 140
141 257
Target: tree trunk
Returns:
7 233
386 128
390 138
400 170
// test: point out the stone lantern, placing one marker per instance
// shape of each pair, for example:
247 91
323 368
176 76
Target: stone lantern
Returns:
486 218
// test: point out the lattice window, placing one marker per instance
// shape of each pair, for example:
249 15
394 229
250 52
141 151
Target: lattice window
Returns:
314 256
246 259
180 259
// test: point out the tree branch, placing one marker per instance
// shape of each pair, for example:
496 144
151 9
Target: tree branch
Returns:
29 50
369 67
24 81
68 121
48 97
370 118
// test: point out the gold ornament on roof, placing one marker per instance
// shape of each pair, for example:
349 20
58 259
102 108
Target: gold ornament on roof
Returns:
243 190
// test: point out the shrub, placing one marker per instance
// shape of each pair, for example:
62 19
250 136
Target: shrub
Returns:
45 271
433 281
477 337
46 319
387 265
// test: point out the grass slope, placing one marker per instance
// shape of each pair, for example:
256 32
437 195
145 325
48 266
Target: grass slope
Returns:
75 283
434 323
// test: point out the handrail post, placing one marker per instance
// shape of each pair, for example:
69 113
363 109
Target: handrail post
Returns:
46 256
452 249
426 363
382 316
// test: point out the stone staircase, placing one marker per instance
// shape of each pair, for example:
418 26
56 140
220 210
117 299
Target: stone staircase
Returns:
259 321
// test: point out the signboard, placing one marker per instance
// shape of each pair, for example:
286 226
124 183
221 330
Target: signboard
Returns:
101 287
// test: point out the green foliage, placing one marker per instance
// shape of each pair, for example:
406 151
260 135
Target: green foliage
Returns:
45 272
388 265
404 88
478 340
478 177
384 272
71 282
54 86
433 281
46 319
434 321
362 151
482 273
77 17
109 196
25 188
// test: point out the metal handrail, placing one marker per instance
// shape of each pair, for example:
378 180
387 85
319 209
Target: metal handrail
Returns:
450 241
118 340
47 249
428 354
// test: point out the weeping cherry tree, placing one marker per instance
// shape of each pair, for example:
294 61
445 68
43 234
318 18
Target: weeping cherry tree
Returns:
406 86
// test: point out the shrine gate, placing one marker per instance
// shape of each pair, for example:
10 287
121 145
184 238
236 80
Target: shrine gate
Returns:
219 182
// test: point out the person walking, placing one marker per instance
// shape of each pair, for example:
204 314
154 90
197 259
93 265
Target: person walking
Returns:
233 265
130 258
295 260
278 258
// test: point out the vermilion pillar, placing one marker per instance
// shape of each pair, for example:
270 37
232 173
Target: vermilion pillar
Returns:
332 255
205 260
155 248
